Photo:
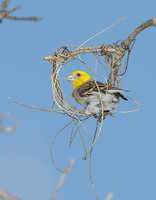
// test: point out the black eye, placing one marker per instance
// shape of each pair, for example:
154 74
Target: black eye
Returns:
78 74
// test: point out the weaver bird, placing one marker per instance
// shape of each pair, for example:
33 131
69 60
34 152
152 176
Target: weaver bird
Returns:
86 93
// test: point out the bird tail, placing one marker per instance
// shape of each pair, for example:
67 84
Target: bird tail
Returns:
122 96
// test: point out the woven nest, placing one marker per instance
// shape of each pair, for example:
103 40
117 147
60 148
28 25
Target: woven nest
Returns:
110 55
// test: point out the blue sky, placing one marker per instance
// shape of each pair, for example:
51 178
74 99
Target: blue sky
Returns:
124 157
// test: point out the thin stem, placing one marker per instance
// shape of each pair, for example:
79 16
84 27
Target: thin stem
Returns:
13 10
90 172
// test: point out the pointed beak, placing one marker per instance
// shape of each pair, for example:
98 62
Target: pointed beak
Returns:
70 78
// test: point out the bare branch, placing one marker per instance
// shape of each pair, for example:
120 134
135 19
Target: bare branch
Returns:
127 42
13 10
6 196
4 14
24 18
62 178
7 129
5 4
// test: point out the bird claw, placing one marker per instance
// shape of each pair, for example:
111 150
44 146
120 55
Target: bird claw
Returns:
105 113
111 114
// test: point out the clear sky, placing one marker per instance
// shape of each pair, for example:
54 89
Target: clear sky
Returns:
124 157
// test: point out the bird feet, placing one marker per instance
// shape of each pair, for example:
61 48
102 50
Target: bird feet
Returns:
105 113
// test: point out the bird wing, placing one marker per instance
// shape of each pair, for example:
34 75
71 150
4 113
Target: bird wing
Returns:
90 86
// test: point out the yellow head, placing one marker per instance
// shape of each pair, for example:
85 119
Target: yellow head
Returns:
78 78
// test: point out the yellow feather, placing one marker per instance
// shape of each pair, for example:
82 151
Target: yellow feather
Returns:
79 81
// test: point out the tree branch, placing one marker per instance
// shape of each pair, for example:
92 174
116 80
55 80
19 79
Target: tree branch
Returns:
127 42
24 18
6 196
4 4
62 178
4 14
13 10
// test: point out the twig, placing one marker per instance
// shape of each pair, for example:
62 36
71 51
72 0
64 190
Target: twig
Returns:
4 14
53 142
13 10
62 178
101 32
110 196
6 196
90 172
7 129
5 4
24 18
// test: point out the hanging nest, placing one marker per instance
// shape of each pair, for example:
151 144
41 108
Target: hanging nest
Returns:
110 54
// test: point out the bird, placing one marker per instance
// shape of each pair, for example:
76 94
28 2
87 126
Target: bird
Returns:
90 93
